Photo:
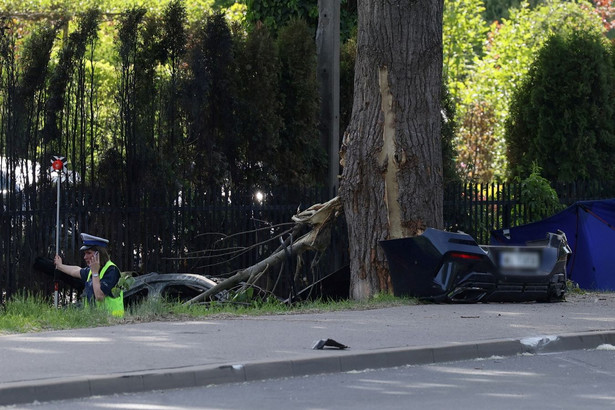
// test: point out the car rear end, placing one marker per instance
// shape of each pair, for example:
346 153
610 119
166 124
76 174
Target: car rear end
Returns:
451 267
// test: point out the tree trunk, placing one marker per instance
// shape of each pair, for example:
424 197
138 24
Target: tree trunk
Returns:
391 183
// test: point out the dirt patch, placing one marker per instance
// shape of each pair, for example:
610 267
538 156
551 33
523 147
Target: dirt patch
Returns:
586 298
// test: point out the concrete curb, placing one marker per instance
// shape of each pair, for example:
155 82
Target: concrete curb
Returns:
344 361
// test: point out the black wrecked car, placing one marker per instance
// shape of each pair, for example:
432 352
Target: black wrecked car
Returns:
443 266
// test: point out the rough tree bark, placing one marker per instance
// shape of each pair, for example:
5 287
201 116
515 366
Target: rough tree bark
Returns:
391 183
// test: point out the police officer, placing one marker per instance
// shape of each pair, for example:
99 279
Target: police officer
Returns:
99 277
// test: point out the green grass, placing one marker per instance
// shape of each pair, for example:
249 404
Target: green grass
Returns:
30 313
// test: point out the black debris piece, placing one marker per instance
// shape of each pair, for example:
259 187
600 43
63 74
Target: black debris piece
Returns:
322 343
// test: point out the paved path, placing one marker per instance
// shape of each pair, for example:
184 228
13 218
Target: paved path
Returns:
160 355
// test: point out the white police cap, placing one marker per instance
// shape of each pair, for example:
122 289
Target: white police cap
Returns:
91 240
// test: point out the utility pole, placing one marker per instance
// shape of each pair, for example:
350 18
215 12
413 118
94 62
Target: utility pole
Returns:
328 48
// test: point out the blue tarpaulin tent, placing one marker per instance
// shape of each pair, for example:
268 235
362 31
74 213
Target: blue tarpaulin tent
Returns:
590 229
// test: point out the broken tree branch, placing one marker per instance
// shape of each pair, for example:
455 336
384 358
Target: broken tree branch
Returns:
318 217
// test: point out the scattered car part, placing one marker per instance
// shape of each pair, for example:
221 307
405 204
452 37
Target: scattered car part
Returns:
322 343
174 286
451 267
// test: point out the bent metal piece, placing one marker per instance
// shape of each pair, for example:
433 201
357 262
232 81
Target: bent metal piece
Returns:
149 286
179 285
451 267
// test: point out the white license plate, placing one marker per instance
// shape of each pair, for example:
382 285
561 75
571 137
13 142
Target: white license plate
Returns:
520 260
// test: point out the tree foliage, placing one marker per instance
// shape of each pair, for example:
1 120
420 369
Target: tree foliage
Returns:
30 86
449 129
476 142
139 52
464 31
275 14
40 9
300 108
73 50
538 197
210 103
563 115
483 65
606 10
508 53
260 104
500 9
146 100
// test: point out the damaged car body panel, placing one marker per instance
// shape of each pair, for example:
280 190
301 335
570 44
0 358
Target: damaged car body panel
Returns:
151 286
174 286
451 267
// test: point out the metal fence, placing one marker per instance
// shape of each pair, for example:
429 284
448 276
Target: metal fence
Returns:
211 235
478 209
183 232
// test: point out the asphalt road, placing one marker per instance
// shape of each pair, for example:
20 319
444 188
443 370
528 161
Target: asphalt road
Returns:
142 357
564 380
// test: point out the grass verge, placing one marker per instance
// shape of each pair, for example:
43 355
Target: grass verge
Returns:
30 313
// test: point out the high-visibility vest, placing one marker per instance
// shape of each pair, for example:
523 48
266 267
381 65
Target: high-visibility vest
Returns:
115 306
